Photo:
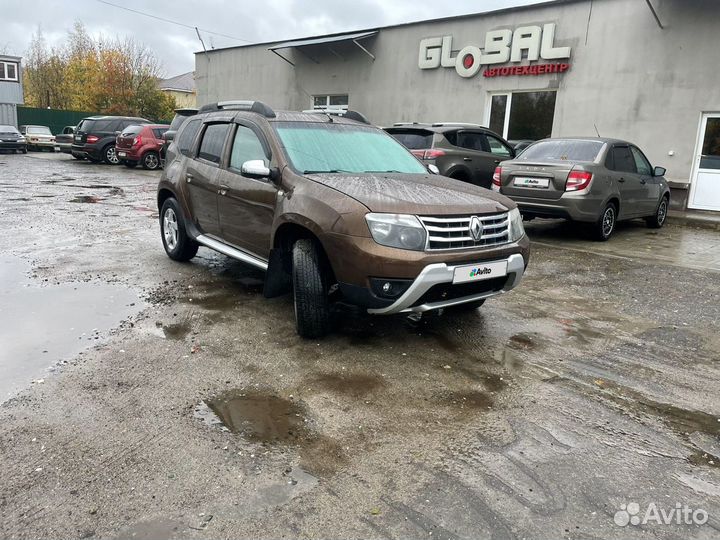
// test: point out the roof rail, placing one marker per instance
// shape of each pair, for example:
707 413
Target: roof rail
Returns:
350 115
460 124
239 105
406 124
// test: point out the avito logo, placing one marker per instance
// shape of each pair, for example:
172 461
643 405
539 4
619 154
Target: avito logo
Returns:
480 271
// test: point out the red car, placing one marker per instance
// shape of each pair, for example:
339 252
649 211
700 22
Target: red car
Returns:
141 144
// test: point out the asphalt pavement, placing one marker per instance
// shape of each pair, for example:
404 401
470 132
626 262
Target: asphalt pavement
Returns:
144 398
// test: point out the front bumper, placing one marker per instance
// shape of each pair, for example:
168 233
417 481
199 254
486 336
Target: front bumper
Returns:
441 273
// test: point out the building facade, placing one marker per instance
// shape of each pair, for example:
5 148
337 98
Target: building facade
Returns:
182 88
641 70
11 89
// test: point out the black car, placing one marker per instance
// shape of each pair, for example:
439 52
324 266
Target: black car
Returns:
180 116
94 137
11 139
466 152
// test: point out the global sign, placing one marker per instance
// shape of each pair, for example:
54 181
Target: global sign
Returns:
530 43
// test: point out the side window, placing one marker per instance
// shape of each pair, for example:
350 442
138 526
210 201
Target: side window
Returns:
187 135
452 137
158 132
497 146
471 141
213 141
623 159
641 163
246 147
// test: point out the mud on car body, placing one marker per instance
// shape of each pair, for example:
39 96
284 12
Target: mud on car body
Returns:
334 210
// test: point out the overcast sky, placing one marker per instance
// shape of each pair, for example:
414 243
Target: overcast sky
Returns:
257 21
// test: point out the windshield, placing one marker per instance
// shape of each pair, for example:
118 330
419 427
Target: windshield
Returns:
8 129
562 150
39 130
331 148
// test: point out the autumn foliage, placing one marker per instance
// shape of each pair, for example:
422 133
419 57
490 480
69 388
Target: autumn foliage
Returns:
109 76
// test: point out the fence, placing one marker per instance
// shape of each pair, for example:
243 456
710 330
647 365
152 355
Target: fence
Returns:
56 120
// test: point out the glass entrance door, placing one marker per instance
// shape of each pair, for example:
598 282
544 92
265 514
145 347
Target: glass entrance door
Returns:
705 188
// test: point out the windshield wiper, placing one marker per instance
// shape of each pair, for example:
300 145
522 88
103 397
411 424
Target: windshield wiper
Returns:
327 171
391 170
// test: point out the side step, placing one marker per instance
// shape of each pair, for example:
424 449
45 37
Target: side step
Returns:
232 252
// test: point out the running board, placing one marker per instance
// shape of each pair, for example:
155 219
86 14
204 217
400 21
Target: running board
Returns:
232 252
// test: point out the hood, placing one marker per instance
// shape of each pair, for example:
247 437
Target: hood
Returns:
422 194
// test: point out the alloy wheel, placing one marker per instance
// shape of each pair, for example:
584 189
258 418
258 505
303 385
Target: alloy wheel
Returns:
111 155
608 223
170 229
662 212
151 161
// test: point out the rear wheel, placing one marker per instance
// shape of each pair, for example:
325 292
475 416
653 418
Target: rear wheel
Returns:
658 220
110 156
310 291
605 226
178 245
151 161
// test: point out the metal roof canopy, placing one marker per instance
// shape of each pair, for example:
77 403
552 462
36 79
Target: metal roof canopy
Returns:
322 41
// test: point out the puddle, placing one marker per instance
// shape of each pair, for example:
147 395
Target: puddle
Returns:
256 416
41 325
272 420
92 199
176 331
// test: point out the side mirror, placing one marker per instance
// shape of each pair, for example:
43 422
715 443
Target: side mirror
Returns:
659 171
255 168
433 168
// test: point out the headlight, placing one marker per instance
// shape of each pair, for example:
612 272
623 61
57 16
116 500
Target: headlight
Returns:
397 230
21 139
516 230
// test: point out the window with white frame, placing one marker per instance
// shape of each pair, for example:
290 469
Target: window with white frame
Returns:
331 102
8 71
522 115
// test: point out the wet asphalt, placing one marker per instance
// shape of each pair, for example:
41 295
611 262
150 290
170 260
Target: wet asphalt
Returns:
144 398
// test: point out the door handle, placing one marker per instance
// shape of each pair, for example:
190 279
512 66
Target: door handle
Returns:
223 190
622 179
497 161
467 159
189 177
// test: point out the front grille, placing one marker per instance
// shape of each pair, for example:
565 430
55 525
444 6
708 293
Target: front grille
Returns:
447 291
453 232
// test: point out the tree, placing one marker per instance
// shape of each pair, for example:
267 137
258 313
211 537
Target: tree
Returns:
110 76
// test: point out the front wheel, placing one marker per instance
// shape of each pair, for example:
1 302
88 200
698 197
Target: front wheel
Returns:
658 220
310 291
151 161
178 245
605 226
110 156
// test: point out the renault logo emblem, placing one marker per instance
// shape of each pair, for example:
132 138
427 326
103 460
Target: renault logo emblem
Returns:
476 228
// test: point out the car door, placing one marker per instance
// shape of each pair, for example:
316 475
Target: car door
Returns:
246 206
498 152
621 167
650 196
477 156
202 177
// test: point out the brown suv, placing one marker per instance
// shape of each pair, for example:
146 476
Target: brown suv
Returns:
335 210
466 152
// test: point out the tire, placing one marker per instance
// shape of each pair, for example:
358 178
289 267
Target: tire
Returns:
178 245
109 155
605 226
466 307
130 164
310 291
660 217
151 161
